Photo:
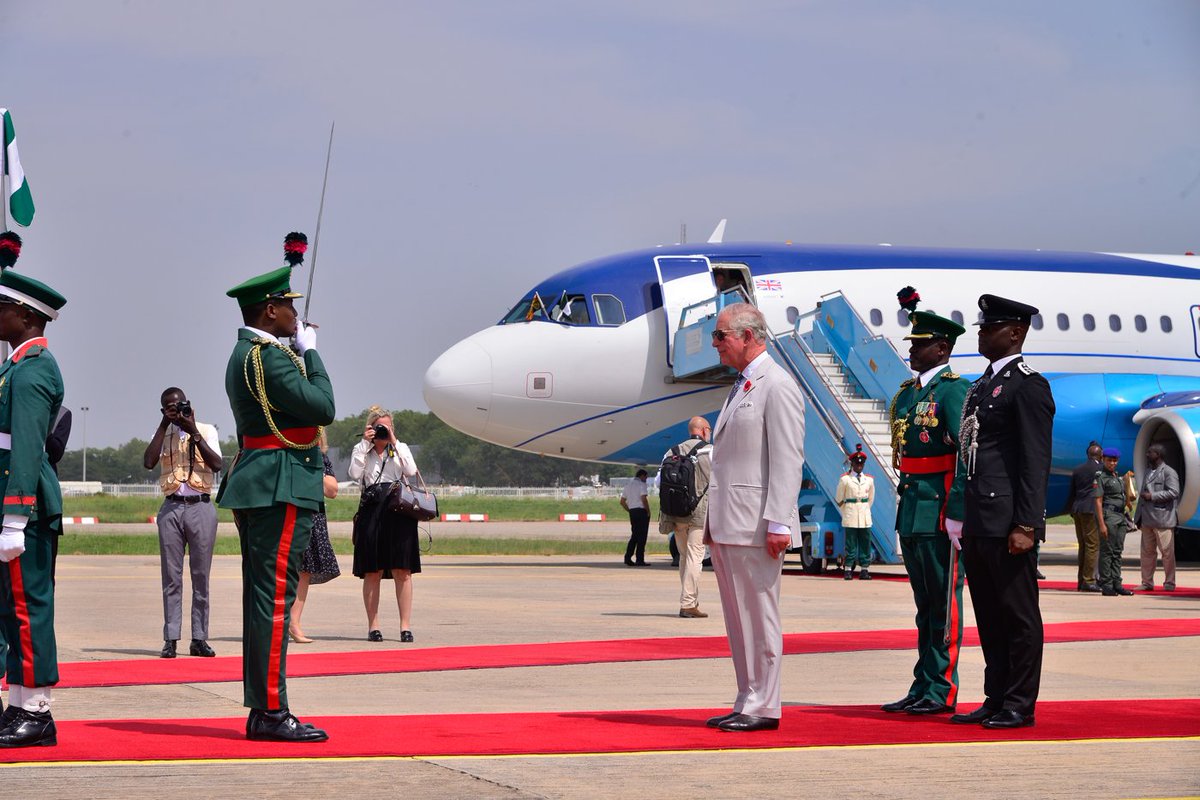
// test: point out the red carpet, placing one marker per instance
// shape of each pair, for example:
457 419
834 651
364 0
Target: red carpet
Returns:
149 671
598 732
1071 586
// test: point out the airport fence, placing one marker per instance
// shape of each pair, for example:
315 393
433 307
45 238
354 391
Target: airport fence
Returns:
351 488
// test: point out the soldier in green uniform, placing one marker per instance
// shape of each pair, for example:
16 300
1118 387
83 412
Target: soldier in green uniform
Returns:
31 393
280 400
925 416
1109 494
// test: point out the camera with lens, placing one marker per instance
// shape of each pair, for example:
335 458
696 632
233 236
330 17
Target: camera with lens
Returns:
184 408
382 433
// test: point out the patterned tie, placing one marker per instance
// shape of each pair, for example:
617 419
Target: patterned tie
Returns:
734 389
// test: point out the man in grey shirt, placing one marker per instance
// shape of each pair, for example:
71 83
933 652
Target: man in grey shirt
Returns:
1157 518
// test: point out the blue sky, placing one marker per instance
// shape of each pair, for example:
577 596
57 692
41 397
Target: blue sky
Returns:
481 146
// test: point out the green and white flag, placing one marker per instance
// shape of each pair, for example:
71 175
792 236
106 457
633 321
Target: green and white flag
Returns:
20 201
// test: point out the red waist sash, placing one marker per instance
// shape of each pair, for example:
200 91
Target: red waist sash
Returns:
927 465
272 442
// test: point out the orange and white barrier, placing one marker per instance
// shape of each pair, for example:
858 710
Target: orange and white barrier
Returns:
464 517
80 520
581 518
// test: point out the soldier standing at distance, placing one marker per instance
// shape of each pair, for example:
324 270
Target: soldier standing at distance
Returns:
279 401
1007 427
925 415
31 393
1109 496
854 496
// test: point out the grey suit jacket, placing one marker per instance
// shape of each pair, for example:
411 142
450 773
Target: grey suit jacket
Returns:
1160 510
757 459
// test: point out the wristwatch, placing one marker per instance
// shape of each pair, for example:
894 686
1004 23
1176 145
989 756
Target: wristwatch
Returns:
1026 528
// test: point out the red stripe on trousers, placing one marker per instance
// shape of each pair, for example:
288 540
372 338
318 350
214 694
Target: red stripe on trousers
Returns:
277 632
952 617
23 622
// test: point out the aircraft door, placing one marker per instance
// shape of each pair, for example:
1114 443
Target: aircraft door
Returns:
684 280
1196 329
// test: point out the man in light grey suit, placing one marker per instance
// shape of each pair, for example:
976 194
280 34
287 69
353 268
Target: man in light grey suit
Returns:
757 461
1157 516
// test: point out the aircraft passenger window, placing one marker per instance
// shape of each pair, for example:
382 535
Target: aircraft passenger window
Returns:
1064 322
1114 322
1089 322
957 316
1139 322
609 310
902 319
1036 322
877 320
571 309
1164 322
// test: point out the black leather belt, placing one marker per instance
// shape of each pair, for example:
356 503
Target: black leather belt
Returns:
193 498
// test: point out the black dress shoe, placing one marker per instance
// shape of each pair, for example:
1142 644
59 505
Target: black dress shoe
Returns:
715 722
927 706
406 636
864 575
1121 590
200 648
28 729
1039 574
900 705
1008 719
168 650
375 636
1089 587
977 716
629 562
849 576
742 723
7 716
281 726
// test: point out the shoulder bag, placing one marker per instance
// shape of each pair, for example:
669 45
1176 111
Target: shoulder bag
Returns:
416 502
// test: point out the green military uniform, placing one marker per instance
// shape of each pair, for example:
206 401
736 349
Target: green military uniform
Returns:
1109 489
279 400
925 424
31 394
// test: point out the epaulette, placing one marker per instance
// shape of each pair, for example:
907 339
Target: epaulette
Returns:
950 376
1026 369
908 383
33 351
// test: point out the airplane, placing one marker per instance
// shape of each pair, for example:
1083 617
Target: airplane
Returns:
606 361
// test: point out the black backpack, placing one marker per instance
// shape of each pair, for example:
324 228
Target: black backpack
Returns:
677 482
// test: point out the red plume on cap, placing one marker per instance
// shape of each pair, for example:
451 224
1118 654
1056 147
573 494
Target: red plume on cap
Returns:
295 245
10 249
908 298
858 454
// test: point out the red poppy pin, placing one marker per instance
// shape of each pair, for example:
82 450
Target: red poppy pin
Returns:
746 387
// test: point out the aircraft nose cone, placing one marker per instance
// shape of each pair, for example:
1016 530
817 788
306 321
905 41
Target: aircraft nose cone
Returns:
458 387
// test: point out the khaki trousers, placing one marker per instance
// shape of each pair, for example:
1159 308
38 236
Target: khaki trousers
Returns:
1155 541
1087 533
690 542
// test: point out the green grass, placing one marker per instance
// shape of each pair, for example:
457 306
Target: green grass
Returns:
99 544
110 508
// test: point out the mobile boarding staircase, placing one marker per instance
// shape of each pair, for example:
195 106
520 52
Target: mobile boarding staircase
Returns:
848 376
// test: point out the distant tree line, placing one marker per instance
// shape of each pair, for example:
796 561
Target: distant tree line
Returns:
443 454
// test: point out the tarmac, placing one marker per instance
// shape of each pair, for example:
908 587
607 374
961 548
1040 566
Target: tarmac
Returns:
109 607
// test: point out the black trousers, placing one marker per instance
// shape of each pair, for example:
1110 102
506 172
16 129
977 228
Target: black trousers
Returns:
639 526
1004 594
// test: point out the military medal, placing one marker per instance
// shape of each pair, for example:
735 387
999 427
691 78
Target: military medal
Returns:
996 391
924 437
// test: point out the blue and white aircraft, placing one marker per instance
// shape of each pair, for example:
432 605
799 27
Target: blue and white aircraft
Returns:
587 364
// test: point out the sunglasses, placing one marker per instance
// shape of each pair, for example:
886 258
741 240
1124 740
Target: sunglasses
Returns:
720 333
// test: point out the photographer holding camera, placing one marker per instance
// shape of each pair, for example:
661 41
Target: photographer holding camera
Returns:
189 454
385 542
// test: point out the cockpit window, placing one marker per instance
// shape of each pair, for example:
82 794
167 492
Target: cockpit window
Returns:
570 309
529 308
609 310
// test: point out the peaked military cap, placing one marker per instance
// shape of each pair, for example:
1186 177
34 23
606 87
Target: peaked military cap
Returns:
931 326
1000 309
25 291
858 456
272 285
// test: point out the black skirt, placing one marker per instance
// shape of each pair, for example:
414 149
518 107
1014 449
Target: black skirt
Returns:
384 540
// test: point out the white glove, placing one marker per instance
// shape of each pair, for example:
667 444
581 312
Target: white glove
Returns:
306 337
12 537
954 531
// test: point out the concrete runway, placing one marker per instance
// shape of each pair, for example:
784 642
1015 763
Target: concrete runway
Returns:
109 607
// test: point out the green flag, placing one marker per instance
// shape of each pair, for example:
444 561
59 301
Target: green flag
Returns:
20 201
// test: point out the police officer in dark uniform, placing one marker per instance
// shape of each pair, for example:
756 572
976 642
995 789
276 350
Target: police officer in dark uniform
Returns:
1008 421
1108 495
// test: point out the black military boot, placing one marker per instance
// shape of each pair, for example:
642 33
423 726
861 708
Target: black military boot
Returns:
28 729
